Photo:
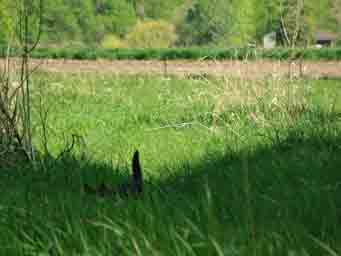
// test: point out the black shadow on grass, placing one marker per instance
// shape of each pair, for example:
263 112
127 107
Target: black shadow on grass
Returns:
296 159
289 187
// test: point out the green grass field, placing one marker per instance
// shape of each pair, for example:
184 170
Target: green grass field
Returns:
232 167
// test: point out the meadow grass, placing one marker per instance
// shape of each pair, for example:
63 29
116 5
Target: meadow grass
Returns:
232 167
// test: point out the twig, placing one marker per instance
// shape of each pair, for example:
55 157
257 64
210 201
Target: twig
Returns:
179 125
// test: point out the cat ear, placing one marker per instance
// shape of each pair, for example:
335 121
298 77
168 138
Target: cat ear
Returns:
137 178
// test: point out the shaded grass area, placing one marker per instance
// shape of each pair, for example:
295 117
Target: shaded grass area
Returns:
225 176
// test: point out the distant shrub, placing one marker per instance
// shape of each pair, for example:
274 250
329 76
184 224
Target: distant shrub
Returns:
152 34
83 53
112 41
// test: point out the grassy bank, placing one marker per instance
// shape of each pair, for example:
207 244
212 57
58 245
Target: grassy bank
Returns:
233 167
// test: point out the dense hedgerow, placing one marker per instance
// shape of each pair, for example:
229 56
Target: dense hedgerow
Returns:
183 53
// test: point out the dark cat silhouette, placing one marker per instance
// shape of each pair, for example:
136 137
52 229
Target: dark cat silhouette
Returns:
137 178
133 188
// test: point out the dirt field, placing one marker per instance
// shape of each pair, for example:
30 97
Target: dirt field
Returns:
251 69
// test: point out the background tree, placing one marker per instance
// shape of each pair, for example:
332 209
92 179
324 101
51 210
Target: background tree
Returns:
335 11
156 9
222 23
297 22
60 23
245 22
204 22
6 23
139 8
267 16
116 16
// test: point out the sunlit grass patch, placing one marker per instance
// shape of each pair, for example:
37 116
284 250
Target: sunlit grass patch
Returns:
232 167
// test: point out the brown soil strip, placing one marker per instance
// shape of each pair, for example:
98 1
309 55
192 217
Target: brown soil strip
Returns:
250 69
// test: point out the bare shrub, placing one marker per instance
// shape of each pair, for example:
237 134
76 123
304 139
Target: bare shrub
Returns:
15 101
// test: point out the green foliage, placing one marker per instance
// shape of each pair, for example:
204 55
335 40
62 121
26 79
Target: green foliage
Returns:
86 21
156 9
152 34
60 24
217 23
112 41
117 50
204 22
10 14
117 16
245 23
6 22
88 24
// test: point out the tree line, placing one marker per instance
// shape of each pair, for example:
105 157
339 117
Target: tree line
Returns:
179 23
